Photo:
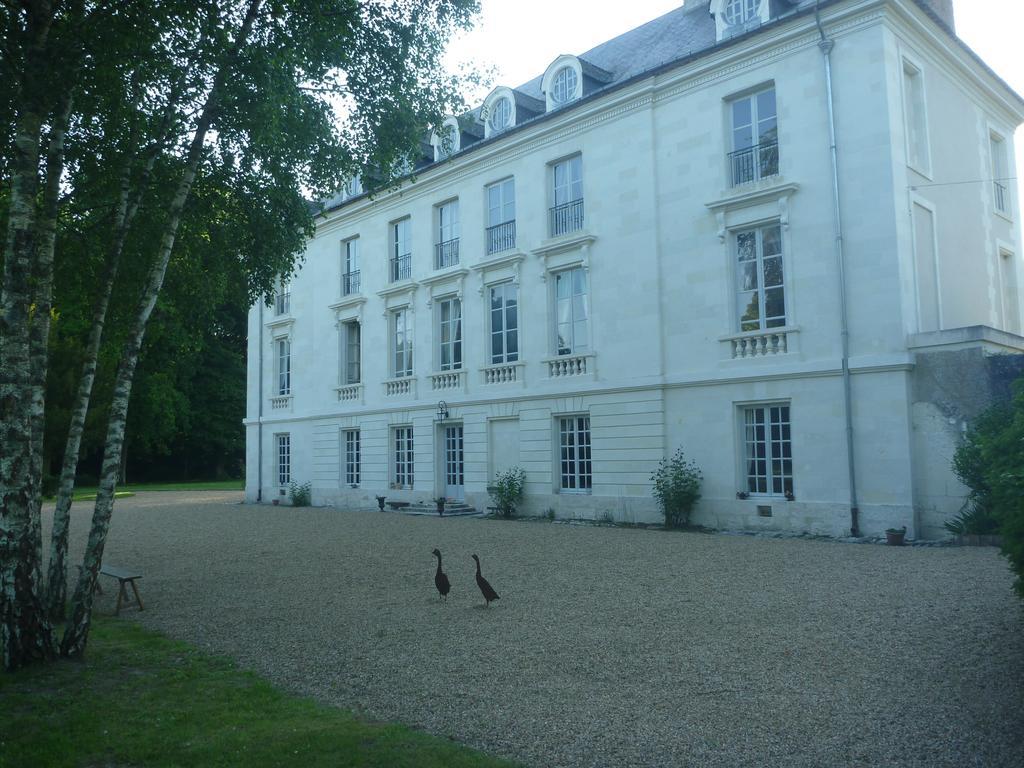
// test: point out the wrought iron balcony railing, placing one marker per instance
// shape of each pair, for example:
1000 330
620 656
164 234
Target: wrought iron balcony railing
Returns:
401 267
446 254
501 237
753 163
350 283
567 217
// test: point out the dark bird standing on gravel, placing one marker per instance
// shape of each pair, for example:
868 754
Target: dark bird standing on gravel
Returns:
440 578
485 588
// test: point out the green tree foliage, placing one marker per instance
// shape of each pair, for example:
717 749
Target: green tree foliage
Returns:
991 464
677 488
507 490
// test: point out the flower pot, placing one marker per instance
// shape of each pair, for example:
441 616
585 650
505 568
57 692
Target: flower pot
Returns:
380 502
894 536
275 502
440 507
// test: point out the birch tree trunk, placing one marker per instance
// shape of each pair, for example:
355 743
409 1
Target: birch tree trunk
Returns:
57 575
25 634
77 630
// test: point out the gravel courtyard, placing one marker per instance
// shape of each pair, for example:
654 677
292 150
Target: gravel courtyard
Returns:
608 647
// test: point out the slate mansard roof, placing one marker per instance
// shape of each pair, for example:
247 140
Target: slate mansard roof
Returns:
680 35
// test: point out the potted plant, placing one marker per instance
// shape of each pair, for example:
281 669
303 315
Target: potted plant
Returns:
440 505
894 536
380 502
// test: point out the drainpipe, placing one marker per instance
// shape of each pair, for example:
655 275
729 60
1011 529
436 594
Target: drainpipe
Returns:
826 45
259 412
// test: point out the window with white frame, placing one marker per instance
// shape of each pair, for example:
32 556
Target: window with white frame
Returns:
574 458
353 187
401 250
760 289
767 450
402 476
504 319
352 457
284 459
1000 175
350 282
741 11
501 216
449 334
567 193
501 114
564 87
1011 291
282 298
914 115
447 248
401 343
284 366
351 352
572 312
755 137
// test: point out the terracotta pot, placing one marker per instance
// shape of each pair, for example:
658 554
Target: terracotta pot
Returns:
894 536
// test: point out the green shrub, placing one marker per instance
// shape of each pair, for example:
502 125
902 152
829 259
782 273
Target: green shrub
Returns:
507 490
991 464
677 489
301 493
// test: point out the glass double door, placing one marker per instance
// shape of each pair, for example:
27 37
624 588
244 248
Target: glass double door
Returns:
453 462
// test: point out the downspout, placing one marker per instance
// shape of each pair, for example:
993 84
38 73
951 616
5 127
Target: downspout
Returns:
826 45
259 413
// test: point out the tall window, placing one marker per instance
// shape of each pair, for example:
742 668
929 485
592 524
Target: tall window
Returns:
504 323
284 366
403 466
768 454
755 137
282 298
563 90
447 249
1000 176
401 343
567 212
449 316
761 299
1011 291
352 456
284 459
913 106
501 216
350 268
351 333
401 250
574 442
572 312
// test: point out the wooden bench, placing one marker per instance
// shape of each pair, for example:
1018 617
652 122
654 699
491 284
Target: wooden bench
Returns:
397 505
123 578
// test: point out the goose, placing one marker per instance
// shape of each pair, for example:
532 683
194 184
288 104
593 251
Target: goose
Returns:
485 588
440 578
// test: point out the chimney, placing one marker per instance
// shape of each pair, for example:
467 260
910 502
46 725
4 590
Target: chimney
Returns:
943 9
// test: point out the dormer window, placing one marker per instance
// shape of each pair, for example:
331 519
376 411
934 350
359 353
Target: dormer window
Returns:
741 11
447 140
565 86
501 115
353 187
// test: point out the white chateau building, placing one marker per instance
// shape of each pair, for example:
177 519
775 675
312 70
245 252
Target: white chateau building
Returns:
652 246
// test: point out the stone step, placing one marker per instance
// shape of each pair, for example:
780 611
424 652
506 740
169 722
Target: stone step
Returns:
455 509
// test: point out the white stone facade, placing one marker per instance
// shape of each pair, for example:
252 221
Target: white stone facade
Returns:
652 349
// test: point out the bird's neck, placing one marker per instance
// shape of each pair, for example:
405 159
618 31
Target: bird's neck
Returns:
477 567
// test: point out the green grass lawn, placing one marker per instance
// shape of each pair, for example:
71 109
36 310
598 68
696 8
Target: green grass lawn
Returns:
89 493
140 699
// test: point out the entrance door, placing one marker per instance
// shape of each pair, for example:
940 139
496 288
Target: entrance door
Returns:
454 465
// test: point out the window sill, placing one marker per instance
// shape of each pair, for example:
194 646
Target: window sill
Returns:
770 342
503 373
351 300
575 492
446 273
403 385
581 239
350 393
401 286
1004 215
281 403
563 366
280 321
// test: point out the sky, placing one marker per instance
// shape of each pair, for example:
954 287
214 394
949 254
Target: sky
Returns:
519 38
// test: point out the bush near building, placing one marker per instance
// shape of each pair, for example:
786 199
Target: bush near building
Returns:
991 464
